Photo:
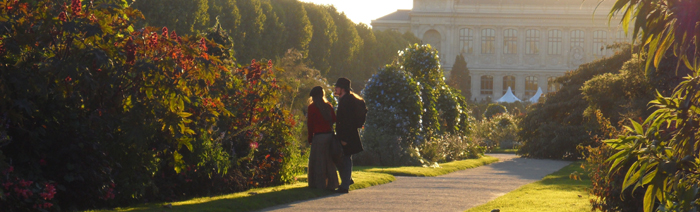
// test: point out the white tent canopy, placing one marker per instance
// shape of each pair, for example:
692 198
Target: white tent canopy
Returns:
537 95
509 97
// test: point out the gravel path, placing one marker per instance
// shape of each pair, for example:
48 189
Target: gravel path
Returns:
457 191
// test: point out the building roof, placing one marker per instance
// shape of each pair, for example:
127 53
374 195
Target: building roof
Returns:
550 3
399 15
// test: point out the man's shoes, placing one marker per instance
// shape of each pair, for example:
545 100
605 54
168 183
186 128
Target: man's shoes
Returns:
342 191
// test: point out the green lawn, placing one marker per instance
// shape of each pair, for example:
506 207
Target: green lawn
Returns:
260 198
499 150
444 168
555 192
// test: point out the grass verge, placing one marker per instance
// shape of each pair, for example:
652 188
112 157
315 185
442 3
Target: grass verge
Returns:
259 198
499 150
555 192
444 168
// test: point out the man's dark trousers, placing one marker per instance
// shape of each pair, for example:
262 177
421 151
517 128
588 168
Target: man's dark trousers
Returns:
346 172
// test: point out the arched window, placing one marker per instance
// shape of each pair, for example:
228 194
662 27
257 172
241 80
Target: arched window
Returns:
508 81
433 38
554 42
530 85
552 86
620 37
510 41
488 39
577 38
600 38
466 40
486 85
532 41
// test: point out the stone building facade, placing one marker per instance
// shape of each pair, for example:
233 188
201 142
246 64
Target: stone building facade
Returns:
522 44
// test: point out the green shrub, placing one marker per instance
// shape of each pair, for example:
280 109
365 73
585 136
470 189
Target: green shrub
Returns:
494 109
555 127
111 115
453 111
410 105
450 147
422 63
386 150
499 131
393 122
607 185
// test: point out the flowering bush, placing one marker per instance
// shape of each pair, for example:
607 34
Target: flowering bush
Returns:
422 63
107 114
395 110
453 112
410 104
20 194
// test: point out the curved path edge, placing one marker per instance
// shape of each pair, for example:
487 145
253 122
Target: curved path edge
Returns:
456 191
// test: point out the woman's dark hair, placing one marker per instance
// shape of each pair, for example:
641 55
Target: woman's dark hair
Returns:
318 98
317 95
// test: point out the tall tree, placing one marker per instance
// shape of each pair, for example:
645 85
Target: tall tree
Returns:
344 52
226 13
368 59
298 29
459 77
273 36
183 16
324 36
248 36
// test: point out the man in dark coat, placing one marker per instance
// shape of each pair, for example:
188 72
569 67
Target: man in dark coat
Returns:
346 128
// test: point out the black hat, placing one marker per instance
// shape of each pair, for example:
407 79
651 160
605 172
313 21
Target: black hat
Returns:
343 83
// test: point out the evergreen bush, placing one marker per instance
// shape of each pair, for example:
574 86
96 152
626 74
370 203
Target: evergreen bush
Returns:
395 110
402 98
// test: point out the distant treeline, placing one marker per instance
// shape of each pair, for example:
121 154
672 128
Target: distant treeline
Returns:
328 40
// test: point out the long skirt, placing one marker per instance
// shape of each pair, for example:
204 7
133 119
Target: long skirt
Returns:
322 172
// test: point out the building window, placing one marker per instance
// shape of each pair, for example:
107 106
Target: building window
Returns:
532 41
621 37
554 42
552 86
577 38
508 82
510 41
530 86
600 37
488 38
486 85
466 40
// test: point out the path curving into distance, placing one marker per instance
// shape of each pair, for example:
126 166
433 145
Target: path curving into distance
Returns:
456 191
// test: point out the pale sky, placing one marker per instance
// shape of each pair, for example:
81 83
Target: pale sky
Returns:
366 10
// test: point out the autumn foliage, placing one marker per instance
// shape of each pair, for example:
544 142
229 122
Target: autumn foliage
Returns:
96 113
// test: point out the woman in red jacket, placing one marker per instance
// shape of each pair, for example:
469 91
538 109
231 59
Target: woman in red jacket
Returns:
320 119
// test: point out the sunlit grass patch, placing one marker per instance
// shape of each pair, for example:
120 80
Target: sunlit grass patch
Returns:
499 150
260 198
555 192
444 168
